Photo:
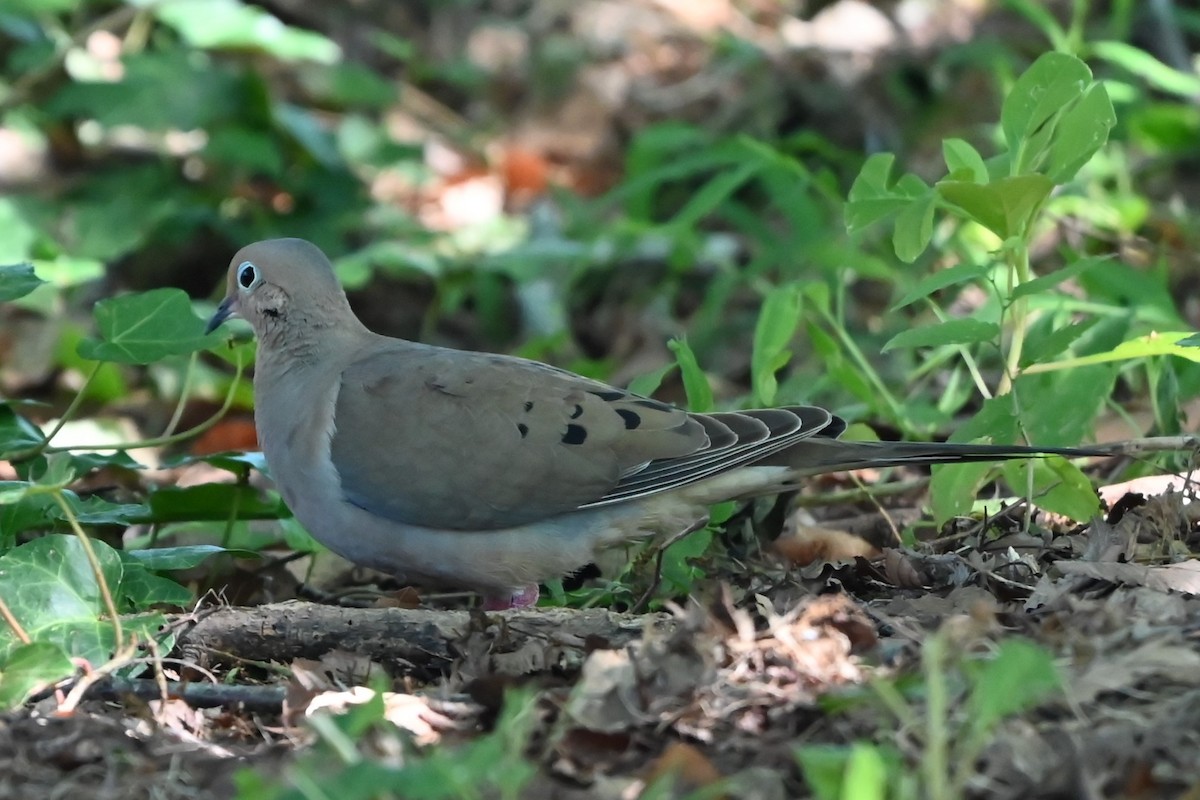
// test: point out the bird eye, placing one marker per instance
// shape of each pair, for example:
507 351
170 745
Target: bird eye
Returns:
247 275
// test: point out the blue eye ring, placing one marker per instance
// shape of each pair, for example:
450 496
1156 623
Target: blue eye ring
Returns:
247 275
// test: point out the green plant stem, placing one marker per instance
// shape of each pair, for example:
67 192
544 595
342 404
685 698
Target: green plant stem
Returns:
227 534
66 415
163 441
85 540
891 697
935 763
967 357
1019 274
857 356
183 394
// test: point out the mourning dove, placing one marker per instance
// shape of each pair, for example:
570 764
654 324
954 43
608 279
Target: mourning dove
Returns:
490 472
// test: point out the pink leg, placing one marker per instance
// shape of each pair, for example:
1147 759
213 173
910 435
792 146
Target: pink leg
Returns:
524 597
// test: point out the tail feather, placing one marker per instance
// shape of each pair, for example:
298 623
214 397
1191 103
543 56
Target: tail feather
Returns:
816 455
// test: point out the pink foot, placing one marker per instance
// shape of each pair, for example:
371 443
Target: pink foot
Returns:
524 597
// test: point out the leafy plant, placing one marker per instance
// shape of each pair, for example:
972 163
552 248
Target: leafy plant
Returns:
341 764
952 713
69 596
1054 120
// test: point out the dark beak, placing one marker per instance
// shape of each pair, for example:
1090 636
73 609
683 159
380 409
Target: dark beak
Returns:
223 313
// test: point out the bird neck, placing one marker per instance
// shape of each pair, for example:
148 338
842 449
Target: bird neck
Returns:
301 339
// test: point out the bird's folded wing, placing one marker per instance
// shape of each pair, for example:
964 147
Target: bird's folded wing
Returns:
472 441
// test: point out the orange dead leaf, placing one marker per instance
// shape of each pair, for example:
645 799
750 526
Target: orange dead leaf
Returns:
809 544
687 764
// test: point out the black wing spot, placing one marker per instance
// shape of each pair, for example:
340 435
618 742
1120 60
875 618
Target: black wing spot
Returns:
577 413
607 394
655 404
529 405
576 434
523 428
435 385
632 418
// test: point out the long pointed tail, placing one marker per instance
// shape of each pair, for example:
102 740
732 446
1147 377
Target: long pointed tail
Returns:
819 454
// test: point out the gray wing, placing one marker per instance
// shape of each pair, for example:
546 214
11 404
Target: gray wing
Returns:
472 441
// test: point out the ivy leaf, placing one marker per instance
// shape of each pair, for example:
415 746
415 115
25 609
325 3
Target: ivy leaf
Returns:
145 327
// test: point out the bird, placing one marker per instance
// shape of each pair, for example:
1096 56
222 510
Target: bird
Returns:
491 472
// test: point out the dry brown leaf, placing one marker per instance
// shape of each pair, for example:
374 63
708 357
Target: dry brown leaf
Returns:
1113 671
686 764
809 544
605 698
899 569
1182 577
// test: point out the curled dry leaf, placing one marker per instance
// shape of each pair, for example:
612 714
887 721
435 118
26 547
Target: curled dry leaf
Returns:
899 570
808 544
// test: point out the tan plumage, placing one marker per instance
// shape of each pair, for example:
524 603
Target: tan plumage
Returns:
488 471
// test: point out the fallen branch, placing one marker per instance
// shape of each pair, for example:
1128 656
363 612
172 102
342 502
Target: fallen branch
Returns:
421 641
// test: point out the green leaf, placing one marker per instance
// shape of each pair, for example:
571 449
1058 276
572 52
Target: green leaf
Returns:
148 96
1047 420
214 501
871 198
16 432
961 156
1058 486
1005 206
943 278
914 228
647 383
1047 282
866 773
1043 19
246 148
30 668
142 589
20 234
237 462
777 323
308 131
1174 343
677 570
1148 68
1050 84
232 24
17 280
98 511
953 487
52 591
160 559
695 382
954 331
824 768
145 327
1039 347
712 194
1020 676
1081 131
